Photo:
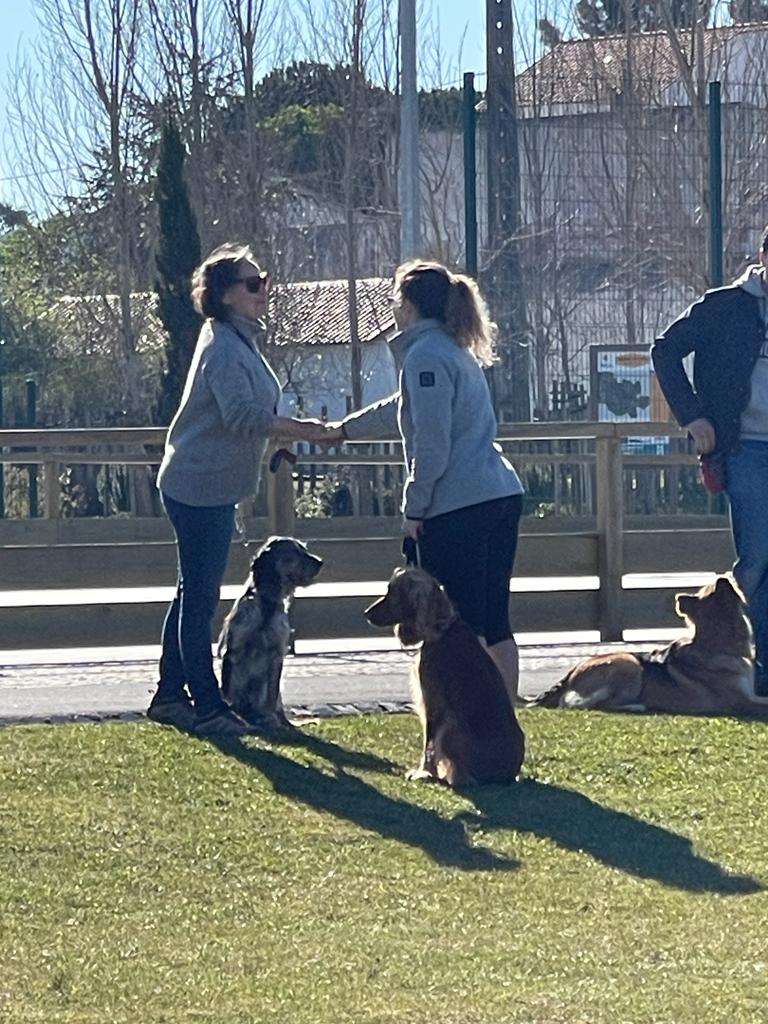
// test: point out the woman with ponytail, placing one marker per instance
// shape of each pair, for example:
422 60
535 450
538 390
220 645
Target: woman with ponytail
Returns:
462 499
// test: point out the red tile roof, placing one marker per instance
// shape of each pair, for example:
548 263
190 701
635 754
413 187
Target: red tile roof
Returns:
305 313
316 313
585 71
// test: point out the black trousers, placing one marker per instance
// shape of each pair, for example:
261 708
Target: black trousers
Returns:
471 551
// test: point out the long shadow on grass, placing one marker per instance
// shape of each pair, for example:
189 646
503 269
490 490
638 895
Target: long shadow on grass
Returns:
575 822
351 799
340 756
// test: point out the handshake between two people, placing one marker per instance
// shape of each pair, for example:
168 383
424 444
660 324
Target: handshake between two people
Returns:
288 430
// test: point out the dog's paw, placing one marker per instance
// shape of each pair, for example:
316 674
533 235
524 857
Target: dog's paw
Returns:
420 775
272 725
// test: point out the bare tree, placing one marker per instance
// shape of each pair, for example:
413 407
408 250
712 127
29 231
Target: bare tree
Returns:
76 131
349 35
85 113
185 69
251 36
359 10
615 169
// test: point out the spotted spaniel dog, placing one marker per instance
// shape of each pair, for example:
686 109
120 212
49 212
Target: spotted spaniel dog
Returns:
255 636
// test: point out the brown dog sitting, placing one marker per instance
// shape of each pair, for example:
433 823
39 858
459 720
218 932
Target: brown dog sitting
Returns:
471 735
707 673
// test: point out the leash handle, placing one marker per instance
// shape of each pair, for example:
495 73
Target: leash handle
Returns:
411 552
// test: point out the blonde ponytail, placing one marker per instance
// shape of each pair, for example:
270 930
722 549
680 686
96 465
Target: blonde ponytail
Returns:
468 321
454 300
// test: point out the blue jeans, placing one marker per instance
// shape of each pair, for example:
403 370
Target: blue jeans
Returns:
747 487
203 536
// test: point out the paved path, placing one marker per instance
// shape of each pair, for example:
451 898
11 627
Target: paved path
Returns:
316 683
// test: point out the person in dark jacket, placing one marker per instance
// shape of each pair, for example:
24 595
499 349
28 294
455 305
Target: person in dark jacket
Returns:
725 410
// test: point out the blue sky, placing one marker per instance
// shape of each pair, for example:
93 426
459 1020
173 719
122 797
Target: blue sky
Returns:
457 19
455 16
18 24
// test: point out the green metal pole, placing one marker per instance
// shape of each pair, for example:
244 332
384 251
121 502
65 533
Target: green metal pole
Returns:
715 187
2 467
470 174
31 422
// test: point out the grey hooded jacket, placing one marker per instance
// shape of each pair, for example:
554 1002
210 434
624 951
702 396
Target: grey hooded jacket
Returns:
754 419
444 415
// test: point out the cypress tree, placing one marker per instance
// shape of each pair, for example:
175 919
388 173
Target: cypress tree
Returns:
178 253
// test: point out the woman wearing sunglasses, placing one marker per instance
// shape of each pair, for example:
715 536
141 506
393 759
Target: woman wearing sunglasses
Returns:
213 454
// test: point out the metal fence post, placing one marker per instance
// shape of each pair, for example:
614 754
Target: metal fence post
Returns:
470 174
32 470
610 528
715 187
52 489
2 465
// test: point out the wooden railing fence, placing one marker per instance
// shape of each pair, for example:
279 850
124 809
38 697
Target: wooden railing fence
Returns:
55 449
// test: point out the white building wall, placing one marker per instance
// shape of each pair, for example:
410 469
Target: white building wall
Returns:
321 377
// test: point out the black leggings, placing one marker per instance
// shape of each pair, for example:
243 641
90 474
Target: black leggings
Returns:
472 552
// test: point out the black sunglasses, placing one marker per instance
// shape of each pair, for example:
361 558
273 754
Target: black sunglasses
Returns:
253 284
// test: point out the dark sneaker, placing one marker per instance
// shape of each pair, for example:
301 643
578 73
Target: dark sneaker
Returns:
224 725
178 713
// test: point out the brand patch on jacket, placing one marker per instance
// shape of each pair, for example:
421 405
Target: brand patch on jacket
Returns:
427 379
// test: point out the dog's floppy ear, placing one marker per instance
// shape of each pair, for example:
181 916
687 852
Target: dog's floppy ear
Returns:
725 587
729 579
432 608
263 567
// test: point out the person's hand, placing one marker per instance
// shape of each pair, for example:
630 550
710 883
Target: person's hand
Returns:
311 430
412 528
334 432
703 434
287 429
323 434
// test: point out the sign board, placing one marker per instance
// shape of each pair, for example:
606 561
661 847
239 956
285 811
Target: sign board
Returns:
623 389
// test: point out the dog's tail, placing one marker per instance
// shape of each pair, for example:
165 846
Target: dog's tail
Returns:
551 698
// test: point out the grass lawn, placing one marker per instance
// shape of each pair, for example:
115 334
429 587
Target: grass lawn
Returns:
149 877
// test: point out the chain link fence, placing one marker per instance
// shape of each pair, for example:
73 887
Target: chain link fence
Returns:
614 244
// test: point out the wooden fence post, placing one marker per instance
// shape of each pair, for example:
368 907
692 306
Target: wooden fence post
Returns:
280 499
52 490
610 528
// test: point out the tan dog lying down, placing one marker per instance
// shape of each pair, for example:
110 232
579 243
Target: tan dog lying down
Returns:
710 672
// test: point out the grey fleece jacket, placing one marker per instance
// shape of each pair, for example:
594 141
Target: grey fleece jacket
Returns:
754 419
218 437
444 415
